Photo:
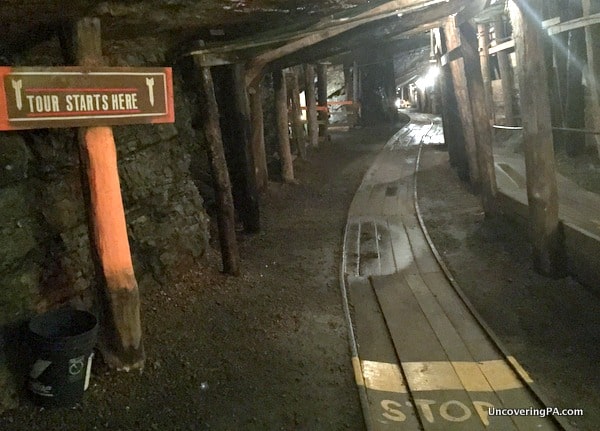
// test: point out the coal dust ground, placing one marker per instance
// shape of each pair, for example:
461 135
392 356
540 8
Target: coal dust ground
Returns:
269 350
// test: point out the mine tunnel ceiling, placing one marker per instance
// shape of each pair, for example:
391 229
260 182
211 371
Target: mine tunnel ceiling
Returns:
232 30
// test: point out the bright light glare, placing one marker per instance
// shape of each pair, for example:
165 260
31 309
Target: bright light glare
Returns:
398 103
428 80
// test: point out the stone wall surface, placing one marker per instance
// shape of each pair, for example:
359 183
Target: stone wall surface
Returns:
45 256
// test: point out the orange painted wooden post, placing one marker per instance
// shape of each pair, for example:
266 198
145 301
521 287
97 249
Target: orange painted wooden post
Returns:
121 333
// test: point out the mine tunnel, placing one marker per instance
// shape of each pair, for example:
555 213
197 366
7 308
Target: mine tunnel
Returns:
300 215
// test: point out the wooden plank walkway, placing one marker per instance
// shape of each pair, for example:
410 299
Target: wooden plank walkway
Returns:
423 360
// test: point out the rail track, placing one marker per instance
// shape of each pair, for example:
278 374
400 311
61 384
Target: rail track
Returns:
423 358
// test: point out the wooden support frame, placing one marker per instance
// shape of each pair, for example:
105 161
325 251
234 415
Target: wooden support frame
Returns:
542 192
121 342
322 99
506 76
250 208
311 105
468 151
451 121
216 155
257 141
574 104
484 55
281 118
481 118
592 35
296 113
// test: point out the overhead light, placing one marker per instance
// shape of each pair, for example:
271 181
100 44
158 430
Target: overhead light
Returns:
428 80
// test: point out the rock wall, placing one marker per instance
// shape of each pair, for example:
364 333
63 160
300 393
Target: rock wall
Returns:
45 258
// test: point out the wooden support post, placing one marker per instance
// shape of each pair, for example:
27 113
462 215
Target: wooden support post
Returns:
296 113
468 151
356 91
355 78
506 75
322 99
453 134
258 137
311 105
389 86
281 117
592 35
484 54
348 83
121 332
216 155
552 10
548 252
481 118
575 106
249 211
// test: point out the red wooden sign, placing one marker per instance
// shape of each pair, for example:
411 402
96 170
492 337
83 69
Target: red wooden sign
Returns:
34 98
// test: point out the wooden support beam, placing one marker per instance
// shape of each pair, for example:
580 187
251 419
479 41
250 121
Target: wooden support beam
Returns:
552 9
121 341
281 117
348 88
375 35
484 56
296 113
451 121
450 56
574 104
542 194
322 99
220 173
249 210
481 118
258 137
574 24
504 46
467 167
355 83
311 105
592 36
326 31
506 76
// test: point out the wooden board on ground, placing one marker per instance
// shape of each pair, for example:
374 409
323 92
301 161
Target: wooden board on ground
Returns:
389 401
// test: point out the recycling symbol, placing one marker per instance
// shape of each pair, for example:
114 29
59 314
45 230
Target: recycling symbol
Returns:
76 365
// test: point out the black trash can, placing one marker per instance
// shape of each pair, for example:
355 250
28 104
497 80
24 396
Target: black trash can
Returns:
62 343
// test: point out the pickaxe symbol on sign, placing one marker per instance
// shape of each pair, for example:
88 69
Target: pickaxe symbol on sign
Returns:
150 84
18 85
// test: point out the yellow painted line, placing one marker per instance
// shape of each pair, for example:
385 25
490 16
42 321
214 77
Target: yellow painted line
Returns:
472 377
383 376
500 375
358 376
485 376
431 376
520 369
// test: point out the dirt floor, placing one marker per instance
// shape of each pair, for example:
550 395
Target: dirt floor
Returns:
264 351
269 350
